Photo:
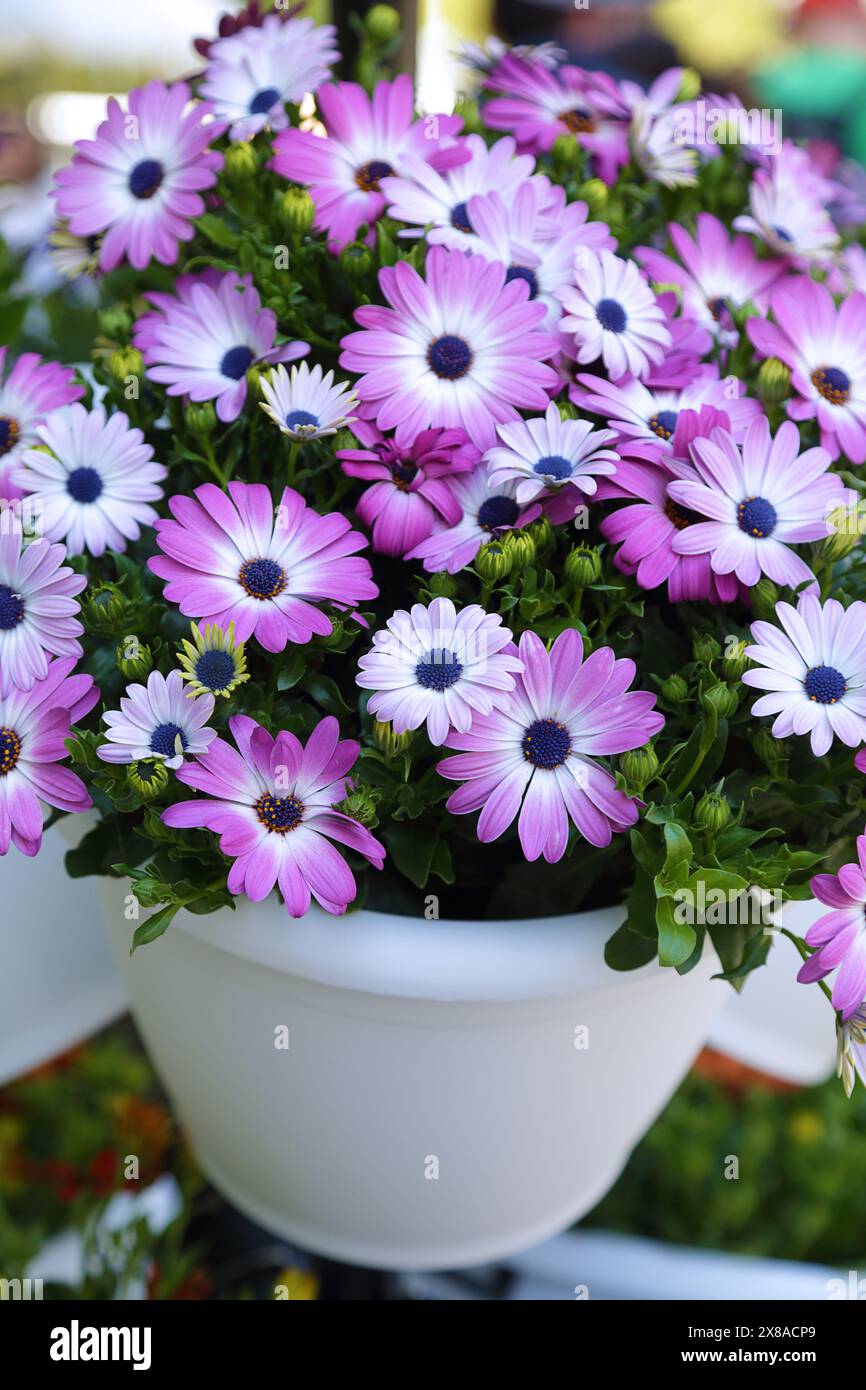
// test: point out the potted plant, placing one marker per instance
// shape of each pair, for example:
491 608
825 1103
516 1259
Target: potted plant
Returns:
447 482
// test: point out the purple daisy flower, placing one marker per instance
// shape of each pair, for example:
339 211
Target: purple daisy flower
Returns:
408 493
460 350
815 671
643 413
759 500
715 272
537 757
28 392
840 935
440 667
96 485
548 455
34 726
202 342
487 513
825 347
613 314
537 106
140 180
238 559
37 607
158 720
786 208
273 806
252 74
369 139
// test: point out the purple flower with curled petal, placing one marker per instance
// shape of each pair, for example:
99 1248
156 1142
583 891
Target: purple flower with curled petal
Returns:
840 935
38 607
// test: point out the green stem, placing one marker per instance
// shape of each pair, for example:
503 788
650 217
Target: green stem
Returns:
293 460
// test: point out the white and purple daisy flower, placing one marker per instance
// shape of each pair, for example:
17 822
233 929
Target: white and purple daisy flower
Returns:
34 727
488 513
460 350
612 314
547 455
159 720
409 491
715 273
273 805
438 667
202 341
825 347
253 73
656 143
814 669
28 392
639 412
305 403
786 208
758 500
234 558
96 485
537 106
484 56
840 935
536 758
141 178
369 138
38 607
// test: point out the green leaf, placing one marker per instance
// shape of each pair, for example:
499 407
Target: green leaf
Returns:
154 926
677 940
216 230
625 950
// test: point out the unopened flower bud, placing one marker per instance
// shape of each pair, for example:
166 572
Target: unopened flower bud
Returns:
721 698
201 417
356 260
521 547
582 566
735 661
764 597
772 751
241 162
298 210
361 805
674 689
386 740
639 766
493 561
542 533
846 526
124 362
774 381
690 85
565 151
713 812
568 410
442 584
104 609
134 659
382 23
705 648
115 321
595 194
148 777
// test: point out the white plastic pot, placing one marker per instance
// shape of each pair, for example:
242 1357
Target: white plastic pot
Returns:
435 1106
58 981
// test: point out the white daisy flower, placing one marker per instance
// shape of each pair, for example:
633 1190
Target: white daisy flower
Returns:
613 314
252 74
658 148
548 453
307 404
158 720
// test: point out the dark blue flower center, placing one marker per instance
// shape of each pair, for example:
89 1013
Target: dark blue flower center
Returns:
664 423
522 272
546 743
450 357
11 608
757 517
783 234
404 474
460 218
279 813
10 750
264 100
497 512
825 685
368 175
236 361
611 315
553 466
297 419
215 670
439 671
262 579
84 485
164 739
833 384
9 432
145 178
717 307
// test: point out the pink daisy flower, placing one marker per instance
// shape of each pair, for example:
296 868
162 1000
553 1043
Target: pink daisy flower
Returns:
272 803
38 607
238 559
140 179
613 314
487 513
840 935
28 392
536 758
459 350
642 413
34 726
786 207
825 347
202 342
409 493
369 138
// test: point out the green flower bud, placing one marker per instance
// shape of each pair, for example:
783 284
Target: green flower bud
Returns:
124 362
241 162
568 410
148 777
713 812
345 439
361 805
595 193
847 526
104 609
735 661
493 561
639 766
705 648
765 596
774 381
542 533
297 210
442 585
772 751
356 260
582 566
722 698
382 23
566 151
387 741
201 418
521 547
115 322
690 85
674 689
134 659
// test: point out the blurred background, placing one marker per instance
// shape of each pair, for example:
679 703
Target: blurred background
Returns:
679 1222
